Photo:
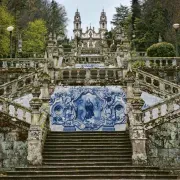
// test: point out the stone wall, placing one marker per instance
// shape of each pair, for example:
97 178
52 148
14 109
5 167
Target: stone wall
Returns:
13 150
163 144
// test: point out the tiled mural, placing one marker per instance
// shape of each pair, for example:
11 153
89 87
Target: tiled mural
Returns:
60 125
87 108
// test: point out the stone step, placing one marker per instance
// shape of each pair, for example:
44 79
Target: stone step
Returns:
88 146
89 143
87 156
86 172
104 159
86 149
87 167
76 153
116 139
90 176
115 163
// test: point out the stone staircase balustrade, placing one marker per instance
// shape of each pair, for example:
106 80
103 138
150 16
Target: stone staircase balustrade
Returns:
157 85
15 110
23 63
158 61
162 119
162 108
18 87
91 74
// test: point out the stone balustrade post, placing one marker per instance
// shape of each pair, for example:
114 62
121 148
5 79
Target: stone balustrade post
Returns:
35 132
45 82
70 74
4 64
135 114
106 74
174 62
98 74
138 137
129 77
162 86
5 106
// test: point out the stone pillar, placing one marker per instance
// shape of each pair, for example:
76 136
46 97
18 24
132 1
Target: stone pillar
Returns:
50 47
35 133
138 137
134 113
129 78
45 80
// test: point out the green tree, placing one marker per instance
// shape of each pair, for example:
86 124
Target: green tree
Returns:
109 36
136 11
57 19
153 21
6 19
120 16
157 17
34 37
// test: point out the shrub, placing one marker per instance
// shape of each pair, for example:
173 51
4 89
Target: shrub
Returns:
162 49
138 64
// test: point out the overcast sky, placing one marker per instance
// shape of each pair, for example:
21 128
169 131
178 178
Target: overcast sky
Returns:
90 11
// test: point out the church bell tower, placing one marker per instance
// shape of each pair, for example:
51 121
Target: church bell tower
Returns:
103 24
77 24
103 21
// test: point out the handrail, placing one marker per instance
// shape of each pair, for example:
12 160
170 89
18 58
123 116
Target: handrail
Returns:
175 98
163 119
7 104
156 84
12 88
157 78
162 109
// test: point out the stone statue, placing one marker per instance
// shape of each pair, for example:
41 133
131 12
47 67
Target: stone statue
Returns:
119 62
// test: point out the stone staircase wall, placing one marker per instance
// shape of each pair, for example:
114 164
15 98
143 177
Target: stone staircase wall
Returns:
162 144
13 149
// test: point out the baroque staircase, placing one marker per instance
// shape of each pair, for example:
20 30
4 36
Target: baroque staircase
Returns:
85 155
88 155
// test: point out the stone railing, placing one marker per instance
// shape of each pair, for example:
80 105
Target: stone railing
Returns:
90 59
162 108
18 86
86 50
163 119
15 110
158 61
22 63
101 74
157 85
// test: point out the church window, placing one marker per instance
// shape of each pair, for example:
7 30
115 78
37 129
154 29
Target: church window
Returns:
77 25
103 25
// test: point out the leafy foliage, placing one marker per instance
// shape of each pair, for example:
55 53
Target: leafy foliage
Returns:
34 37
161 50
109 36
25 11
138 64
57 19
120 16
6 19
157 18
136 12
